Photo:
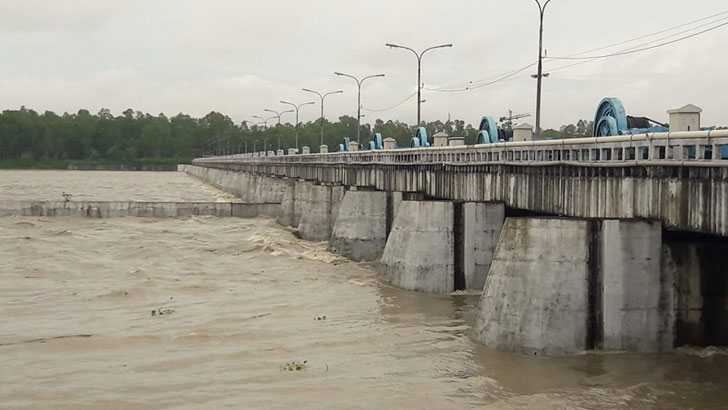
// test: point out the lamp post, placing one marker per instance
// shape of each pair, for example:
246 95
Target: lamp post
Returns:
323 96
297 107
265 134
263 121
358 106
278 115
419 71
540 74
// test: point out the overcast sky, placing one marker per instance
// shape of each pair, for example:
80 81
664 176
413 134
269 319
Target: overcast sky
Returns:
242 56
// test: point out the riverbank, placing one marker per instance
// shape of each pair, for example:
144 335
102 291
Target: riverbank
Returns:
139 164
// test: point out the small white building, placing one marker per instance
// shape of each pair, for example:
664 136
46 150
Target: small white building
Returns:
456 141
390 143
523 132
686 118
440 139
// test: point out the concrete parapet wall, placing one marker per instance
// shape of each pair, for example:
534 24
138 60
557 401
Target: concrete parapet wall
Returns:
360 231
536 296
118 209
419 252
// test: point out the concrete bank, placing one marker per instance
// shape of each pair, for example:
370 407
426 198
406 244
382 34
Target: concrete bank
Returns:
96 209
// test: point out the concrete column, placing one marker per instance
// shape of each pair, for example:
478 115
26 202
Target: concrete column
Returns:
701 291
306 150
319 208
324 149
288 205
419 252
483 223
360 232
536 297
637 299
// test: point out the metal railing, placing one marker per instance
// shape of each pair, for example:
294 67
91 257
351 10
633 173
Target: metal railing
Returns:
704 148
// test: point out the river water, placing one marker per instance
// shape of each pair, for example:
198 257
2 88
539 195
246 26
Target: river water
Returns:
241 299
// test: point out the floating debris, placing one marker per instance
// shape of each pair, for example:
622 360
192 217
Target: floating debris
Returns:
161 311
295 366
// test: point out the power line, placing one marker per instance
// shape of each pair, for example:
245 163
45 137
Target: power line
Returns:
475 87
467 86
643 44
640 49
654 34
392 107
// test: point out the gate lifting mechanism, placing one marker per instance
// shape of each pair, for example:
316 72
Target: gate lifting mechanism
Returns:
611 120
344 146
377 142
420 139
488 132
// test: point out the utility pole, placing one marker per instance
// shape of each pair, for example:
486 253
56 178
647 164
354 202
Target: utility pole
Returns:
358 112
540 74
297 107
419 72
323 96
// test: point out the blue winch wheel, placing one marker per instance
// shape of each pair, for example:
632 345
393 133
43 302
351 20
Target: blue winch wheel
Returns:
420 139
344 146
376 142
610 119
488 131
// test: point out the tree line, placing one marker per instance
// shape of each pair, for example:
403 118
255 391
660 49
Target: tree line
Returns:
29 137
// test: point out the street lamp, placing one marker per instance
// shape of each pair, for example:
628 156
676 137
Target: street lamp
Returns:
263 120
323 96
419 71
278 114
297 107
265 134
540 74
358 107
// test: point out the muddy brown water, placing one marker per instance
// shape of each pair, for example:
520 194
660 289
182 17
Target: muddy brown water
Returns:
244 297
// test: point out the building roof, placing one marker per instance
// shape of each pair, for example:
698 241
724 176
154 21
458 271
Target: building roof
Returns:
524 126
688 109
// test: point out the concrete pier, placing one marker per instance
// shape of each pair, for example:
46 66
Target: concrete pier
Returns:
701 291
419 252
482 227
561 286
360 232
320 206
536 297
637 296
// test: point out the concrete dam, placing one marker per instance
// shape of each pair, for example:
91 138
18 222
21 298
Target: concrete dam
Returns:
576 245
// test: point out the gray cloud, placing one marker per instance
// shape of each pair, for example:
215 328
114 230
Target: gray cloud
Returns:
240 57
